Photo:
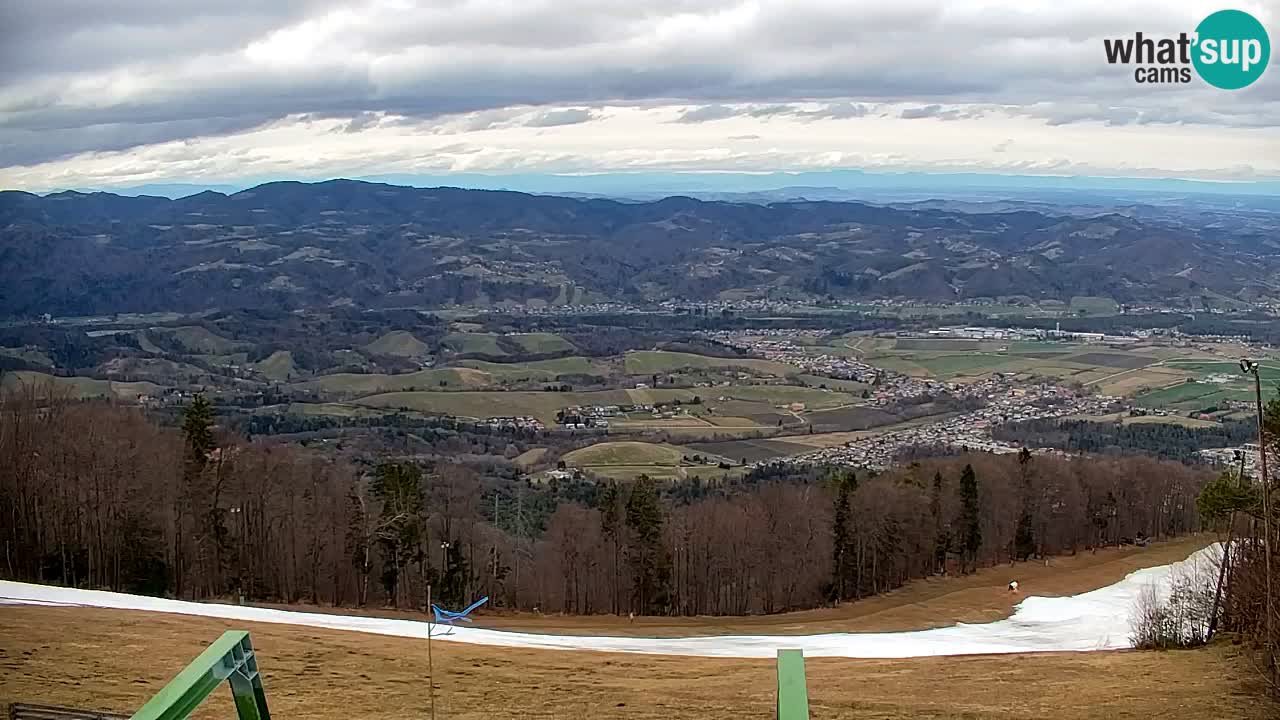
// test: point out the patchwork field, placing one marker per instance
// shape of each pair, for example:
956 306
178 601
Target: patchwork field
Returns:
76 387
782 395
486 404
356 384
537 370
648 362
1135 382
849 418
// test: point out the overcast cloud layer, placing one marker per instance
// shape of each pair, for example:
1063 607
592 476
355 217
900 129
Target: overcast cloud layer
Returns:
146 90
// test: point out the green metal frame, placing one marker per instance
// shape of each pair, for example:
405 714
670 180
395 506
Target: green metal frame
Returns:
793 692
229 658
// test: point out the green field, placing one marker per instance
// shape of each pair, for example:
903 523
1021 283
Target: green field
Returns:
540 343
75 387
278 366
624 453
966 364
1200 395
474 344
357 384
849 386
399 343
535 371
1088 305
29 354
542 405
813 398
649 362
1268 372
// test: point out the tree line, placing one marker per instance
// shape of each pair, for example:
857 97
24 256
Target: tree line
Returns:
1167 440
100 495
1242 508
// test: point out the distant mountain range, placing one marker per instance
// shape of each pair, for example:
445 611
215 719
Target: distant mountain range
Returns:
295 245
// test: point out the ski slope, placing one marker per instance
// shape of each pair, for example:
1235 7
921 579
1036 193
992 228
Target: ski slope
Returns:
1097 620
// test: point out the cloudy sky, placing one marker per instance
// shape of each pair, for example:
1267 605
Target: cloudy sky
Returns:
98 94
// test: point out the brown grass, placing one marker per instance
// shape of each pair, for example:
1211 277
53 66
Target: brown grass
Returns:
115 660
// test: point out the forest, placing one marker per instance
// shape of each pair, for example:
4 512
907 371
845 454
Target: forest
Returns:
104 496
1167 440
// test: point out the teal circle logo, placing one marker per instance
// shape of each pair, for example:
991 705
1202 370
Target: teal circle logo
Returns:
1232 49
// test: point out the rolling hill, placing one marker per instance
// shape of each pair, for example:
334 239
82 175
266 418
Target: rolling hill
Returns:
293 245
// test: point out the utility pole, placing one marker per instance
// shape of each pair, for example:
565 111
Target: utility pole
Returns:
1226 556
1251 367
431 670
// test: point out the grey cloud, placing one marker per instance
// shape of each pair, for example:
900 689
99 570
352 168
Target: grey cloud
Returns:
555 118
706 113
836 111
363 121
920 112
68 65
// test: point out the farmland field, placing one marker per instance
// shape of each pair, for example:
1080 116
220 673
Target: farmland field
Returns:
487 404
813 398
537 370
849 386
1178 393
1113 360
474 343
29 354
850 418
948 365
352 384
648 362
278 366
749 450
76 387
624 453
1152 378
945 344
1093 305
541 343
399 344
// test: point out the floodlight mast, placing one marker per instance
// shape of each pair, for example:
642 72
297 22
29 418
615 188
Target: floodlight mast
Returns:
1250 367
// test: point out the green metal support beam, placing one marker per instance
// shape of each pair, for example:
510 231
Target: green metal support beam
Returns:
229 658
793 692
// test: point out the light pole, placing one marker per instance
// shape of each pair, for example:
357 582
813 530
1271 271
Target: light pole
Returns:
1250 367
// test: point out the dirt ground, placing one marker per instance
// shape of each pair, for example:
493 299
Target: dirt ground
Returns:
114 660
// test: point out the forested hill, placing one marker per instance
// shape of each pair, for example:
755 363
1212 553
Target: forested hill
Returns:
97 495
294 245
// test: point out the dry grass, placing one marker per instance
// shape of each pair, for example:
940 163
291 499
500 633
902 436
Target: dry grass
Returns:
114 660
